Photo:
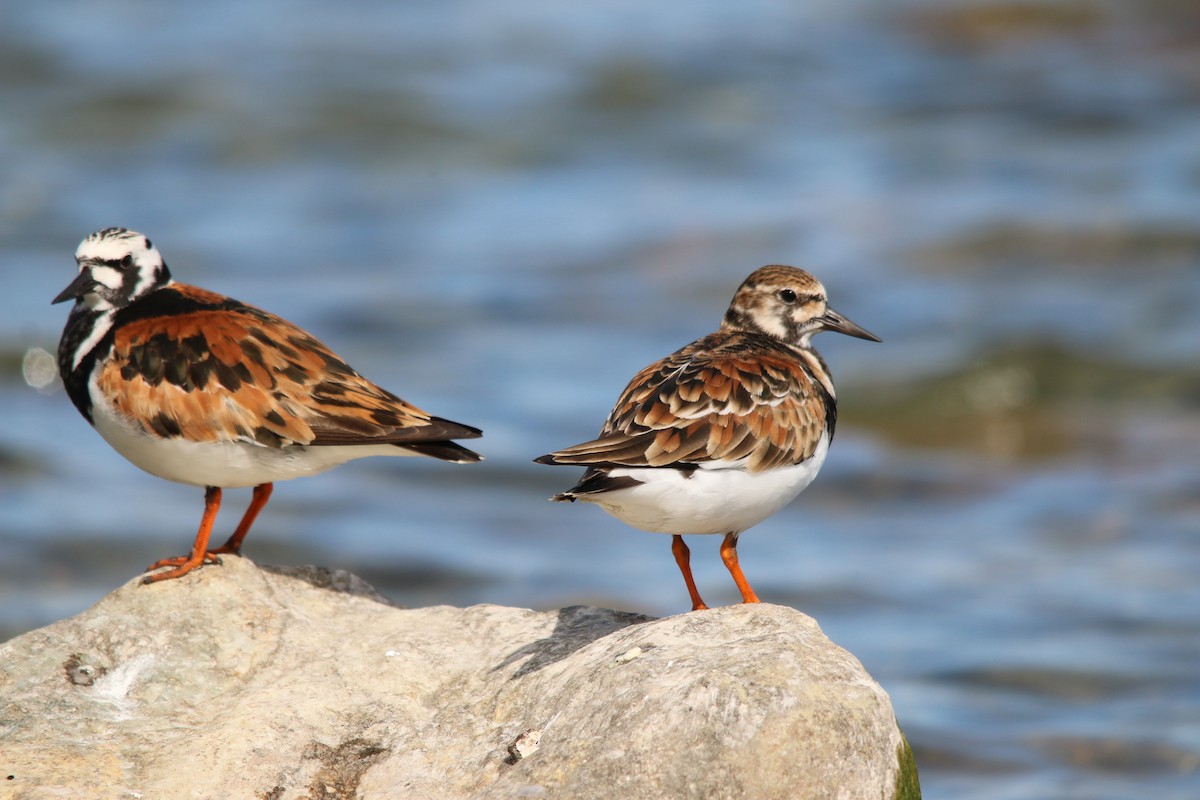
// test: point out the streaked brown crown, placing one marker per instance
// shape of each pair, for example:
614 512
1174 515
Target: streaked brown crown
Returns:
787 303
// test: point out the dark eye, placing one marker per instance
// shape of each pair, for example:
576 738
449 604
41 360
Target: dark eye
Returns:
127 262
787 296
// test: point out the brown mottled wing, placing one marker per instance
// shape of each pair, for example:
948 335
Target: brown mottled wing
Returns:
202 367
722 397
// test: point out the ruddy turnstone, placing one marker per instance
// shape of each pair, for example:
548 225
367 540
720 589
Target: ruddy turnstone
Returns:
198 388
721 434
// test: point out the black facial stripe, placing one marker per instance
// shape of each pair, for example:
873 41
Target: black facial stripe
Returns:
123 264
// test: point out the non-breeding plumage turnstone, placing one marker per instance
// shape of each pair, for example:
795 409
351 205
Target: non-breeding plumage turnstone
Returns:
721 434
198 388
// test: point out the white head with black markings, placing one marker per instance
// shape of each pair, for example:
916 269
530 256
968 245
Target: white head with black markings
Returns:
116 267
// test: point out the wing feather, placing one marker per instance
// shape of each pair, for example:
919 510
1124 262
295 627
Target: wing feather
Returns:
213 369
726 397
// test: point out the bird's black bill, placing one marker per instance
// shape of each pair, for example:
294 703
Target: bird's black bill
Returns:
82 284
833 321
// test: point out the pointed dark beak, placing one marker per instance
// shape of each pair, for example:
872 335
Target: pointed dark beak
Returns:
833 321
82 284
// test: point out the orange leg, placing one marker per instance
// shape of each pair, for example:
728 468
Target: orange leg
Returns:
200 555
683 557
730 557
262 493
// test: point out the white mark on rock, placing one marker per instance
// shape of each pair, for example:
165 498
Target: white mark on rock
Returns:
113 687
628 655
526 744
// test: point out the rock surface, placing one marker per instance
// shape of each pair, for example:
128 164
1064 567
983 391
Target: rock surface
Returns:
241 682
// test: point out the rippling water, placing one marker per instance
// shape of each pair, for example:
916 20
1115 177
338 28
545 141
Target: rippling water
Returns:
503 211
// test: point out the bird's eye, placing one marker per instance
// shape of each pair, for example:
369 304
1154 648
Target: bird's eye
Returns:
787 295
127 262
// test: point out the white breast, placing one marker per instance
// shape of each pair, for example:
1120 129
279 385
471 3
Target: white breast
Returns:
711 499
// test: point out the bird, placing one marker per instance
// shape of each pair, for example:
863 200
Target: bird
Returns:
201 389
725 431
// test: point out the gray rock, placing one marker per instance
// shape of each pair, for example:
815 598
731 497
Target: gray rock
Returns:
240 682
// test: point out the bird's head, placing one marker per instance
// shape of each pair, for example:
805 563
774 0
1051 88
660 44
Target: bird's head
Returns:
789 304
116 266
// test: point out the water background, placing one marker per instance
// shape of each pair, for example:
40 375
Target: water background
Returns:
502 211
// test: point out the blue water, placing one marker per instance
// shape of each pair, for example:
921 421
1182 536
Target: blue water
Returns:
502 211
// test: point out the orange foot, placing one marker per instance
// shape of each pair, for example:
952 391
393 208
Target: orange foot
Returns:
200 554
182 566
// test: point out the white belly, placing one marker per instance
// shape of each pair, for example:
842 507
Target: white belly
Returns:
225 464
710 500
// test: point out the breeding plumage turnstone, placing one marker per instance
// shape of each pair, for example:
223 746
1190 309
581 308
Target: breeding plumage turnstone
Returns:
721 434
198 388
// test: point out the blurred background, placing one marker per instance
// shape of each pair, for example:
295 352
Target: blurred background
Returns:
502 211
